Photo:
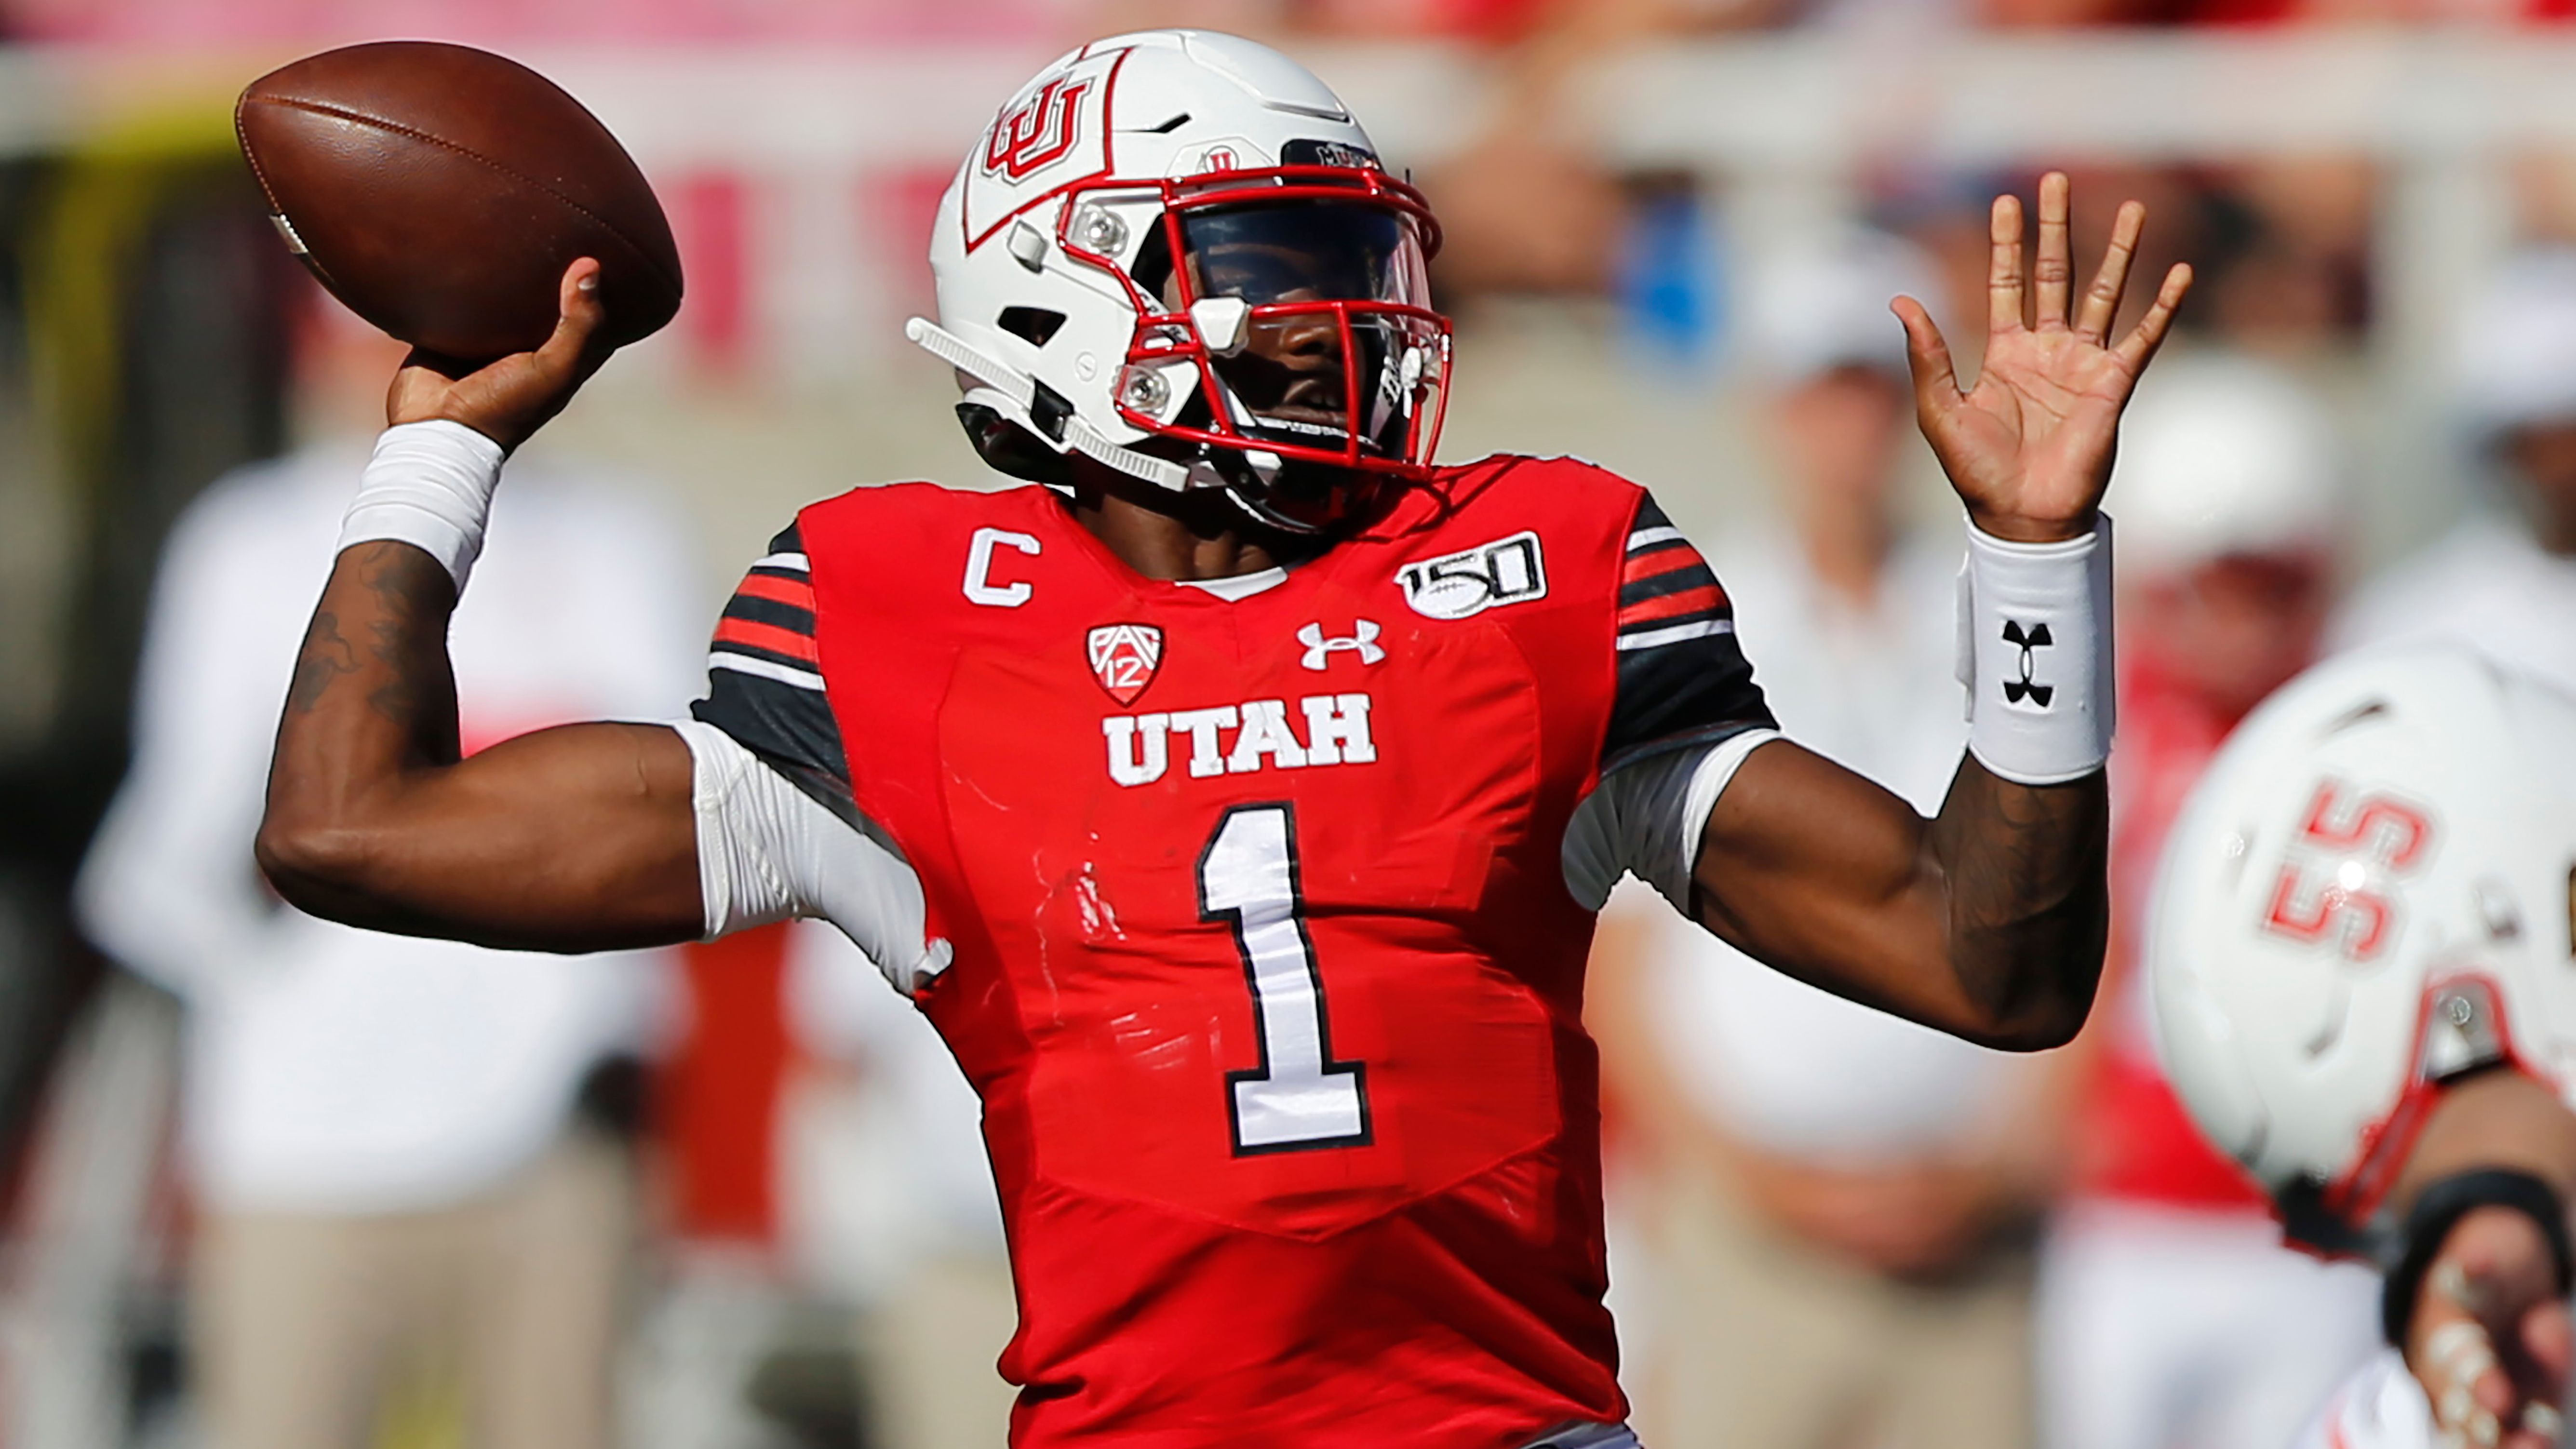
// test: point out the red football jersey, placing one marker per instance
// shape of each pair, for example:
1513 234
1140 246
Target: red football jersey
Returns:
1265 965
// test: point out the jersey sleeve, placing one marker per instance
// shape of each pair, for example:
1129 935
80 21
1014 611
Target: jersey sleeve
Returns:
765 681
1682 678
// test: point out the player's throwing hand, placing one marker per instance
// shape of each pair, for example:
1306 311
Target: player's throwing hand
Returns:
2029 448
511 397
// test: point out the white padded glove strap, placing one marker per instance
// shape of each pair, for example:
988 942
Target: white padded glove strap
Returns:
429 485
2035 655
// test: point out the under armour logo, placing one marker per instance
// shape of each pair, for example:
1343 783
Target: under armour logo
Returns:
2016 690
1319 649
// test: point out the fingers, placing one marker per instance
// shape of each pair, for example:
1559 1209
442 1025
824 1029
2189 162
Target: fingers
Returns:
2549 1339
569 353
2003 269
2548 1346
2490 1341
2055 271
2102 299
2473 1399
1927 356
2139 347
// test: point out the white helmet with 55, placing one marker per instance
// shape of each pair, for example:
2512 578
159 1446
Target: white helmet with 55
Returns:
2369 894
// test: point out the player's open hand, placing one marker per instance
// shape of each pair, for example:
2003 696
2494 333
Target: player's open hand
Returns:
2029 448
2491 1341
508 399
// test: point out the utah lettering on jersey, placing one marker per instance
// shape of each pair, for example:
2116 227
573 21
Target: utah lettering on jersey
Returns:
1237 740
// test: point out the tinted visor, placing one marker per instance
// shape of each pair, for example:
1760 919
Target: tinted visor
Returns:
1306 251
1306 360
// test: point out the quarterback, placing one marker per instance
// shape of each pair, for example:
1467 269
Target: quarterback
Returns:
1235 801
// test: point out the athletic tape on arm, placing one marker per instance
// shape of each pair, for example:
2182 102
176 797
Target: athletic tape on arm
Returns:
1646 818
2035 655
429 485
767 851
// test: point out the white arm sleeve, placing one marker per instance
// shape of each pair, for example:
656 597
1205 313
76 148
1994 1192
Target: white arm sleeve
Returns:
1645 819
768 851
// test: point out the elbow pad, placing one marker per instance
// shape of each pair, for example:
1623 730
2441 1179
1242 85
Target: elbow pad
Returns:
769 852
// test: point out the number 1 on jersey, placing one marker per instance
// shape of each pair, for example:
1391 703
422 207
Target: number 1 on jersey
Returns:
1299 1097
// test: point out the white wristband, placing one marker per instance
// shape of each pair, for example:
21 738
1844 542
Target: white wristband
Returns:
429 485
2035 655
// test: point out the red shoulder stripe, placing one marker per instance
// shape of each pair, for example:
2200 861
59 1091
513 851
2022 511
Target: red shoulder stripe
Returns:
766 636
1688 601
1657 562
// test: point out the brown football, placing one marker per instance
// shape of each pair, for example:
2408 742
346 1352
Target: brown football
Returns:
440 192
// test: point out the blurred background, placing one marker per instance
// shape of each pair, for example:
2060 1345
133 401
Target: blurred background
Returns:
268 1182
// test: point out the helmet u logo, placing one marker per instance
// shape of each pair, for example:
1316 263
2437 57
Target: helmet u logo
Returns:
1038 133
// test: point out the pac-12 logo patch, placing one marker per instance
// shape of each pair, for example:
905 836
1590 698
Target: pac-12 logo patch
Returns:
1472 580
1124 658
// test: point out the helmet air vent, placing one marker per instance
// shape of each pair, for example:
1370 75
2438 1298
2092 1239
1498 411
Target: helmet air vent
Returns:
1033 325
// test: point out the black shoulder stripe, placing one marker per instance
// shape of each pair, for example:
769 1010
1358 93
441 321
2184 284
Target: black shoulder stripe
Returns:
774 612
1682 693
1671 581
790 727
1650 514
763 688
1682 678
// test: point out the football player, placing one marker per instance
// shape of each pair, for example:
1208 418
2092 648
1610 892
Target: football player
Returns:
2358 960
1236 803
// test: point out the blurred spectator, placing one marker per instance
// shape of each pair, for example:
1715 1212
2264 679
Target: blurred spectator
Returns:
1836 1190
2504 580
2170 1314
396 1188
893 1208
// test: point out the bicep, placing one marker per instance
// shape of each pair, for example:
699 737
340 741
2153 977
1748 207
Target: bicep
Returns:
579 838
1821 873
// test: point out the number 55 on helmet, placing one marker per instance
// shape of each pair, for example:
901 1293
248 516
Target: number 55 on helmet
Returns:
2368 895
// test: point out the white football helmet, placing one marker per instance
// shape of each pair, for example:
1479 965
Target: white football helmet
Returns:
1176 253
2368 894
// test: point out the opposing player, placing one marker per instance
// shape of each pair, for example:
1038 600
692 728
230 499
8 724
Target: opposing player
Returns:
2358 963
1236 806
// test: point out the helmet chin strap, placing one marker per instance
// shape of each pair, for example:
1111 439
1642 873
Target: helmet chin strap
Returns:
1266 517
1021 391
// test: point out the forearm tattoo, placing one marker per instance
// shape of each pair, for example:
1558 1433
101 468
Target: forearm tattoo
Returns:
399 599
325 657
